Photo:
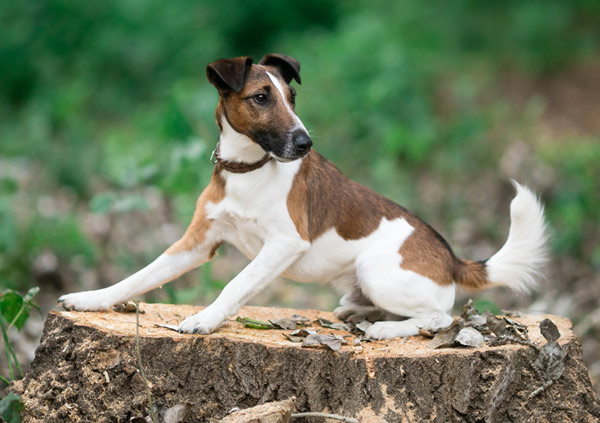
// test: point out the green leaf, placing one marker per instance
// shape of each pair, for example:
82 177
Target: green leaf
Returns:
484 305
253 324
11 407
14 309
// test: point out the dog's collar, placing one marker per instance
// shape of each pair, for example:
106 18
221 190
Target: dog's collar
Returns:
237 167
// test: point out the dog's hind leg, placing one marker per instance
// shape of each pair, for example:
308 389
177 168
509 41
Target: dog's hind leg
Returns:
403 293
355 307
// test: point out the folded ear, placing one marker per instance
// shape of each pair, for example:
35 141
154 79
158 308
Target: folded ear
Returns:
229 74
288 67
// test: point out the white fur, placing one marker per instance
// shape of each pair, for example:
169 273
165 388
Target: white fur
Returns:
236 147
517 264
275 81
162 270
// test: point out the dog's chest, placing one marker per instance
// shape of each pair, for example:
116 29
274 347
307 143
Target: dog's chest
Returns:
255 207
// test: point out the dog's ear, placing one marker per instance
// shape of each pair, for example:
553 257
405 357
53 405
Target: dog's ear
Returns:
229 74
288 67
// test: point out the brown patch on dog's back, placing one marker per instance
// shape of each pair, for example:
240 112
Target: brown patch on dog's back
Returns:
196 232
322 198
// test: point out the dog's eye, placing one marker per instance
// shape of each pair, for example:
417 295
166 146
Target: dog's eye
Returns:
260 99
293 99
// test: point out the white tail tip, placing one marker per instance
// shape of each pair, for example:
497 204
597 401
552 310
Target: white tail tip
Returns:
519 262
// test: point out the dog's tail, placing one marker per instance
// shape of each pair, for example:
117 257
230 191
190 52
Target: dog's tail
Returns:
518 263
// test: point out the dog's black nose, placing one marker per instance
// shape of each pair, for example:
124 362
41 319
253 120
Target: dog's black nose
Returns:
301 140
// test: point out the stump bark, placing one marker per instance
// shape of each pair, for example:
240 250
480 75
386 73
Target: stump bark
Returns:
86 370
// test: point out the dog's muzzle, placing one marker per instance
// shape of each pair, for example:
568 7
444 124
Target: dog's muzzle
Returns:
301 141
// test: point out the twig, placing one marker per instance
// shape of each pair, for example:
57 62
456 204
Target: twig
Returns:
520 341
541 389
325 416
139 357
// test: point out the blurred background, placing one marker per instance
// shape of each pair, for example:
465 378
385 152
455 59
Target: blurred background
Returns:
107 125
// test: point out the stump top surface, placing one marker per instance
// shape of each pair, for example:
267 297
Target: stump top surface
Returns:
123 324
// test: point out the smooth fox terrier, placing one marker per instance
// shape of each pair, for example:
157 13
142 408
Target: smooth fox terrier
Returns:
293 213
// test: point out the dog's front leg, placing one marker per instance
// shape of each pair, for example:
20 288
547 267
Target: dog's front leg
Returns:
273 259
184 255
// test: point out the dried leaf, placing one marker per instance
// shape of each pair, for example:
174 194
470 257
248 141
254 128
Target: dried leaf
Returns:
311 340
294 338
469 337
515 328
426 332
253 323
551 361
176 414
302 332
300 320
363 326
549 330
496 325
478 321
469 309
333 342
286 324
126 308
331 325
445 338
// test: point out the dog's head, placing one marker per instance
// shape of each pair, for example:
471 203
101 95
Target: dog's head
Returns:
258 101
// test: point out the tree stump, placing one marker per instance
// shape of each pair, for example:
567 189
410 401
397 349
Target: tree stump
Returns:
86 369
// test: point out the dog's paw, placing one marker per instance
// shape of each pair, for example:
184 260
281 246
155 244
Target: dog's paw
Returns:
389 330
85 301
202 323
357 313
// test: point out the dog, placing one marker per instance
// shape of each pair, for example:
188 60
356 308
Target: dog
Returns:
293 213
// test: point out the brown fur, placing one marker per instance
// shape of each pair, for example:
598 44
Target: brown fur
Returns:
322 198
196 232
471 274
243 114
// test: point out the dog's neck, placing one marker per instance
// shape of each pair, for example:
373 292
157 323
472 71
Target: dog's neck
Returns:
236 147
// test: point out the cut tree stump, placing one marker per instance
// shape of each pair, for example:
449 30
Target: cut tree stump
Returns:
86 370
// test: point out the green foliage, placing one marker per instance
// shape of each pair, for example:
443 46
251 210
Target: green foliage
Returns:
11 407
575 213
101 101
483 305
14 312
15 308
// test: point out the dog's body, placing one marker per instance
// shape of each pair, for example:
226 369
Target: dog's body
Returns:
294 214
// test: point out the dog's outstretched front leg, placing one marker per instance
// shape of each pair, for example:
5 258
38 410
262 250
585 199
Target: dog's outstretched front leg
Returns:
273 259
184 255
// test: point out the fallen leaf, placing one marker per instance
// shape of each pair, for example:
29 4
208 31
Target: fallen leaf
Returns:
294 338
445 338
302 332
331 325
176 414
468 309
333 342
549 330
363 326
286 324
300 320
253 323
496 325
126 308
469 337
